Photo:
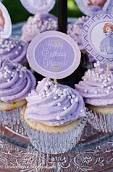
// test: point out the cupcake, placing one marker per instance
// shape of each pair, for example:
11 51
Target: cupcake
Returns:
16 82
97 91
38 24
46 22
54 117
75 30
13 50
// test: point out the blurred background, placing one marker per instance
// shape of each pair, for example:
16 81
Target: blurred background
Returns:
18 13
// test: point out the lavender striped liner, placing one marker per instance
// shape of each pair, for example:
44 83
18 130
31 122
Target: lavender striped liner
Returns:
11 119
102 123
55 143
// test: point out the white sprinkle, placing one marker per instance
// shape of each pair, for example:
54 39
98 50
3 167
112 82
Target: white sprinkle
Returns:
46 88
107 92
8 80
54 98
20 76
39 82
76 99
81 110
12 46
19 47
72 101
73 96
65 108
59 104
2 98
16 52
85 91
8 49
58 117
69 97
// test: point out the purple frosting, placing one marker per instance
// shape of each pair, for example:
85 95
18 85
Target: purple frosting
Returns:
54 104
13 50
41 23
97 86
16 82
38 24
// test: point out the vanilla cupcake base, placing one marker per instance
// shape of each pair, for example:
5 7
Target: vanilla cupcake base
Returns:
10 113
53 140
101 118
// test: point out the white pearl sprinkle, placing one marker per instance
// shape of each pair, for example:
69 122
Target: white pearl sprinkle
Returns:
46 88
72 101
107 92
65 108
58 117
39 82
8 80
73 96
8 49
29 94
69 97
59 104
55 98
19 47
2 98
76 99
81 111
12 46
20 76
85 91
16 52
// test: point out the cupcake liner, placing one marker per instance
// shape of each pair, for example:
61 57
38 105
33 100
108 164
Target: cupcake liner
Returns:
101 122
55 143
12 120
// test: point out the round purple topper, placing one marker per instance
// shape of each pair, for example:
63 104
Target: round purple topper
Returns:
94 7
98 37
38 6
5 22
53 54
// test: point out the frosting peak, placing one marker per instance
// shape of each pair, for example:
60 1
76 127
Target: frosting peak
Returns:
16 82
54 104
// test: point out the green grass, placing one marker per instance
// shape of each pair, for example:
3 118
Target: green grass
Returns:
18 13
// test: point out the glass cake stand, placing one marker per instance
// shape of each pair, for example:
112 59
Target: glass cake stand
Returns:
94 152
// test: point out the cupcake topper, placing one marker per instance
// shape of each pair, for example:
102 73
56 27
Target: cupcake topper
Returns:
98 37
38 6
94 7
5 22
53 54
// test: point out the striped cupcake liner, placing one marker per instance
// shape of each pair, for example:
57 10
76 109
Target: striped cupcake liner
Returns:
102 123
11 119
55 143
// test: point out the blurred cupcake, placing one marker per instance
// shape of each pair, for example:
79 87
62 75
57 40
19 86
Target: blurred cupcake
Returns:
13 50
38 24
54 118
46 22
16 82
97 91
75 30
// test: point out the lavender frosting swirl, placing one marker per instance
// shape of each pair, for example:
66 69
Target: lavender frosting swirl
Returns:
54 104
13 50
38 24
97 86
16 82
